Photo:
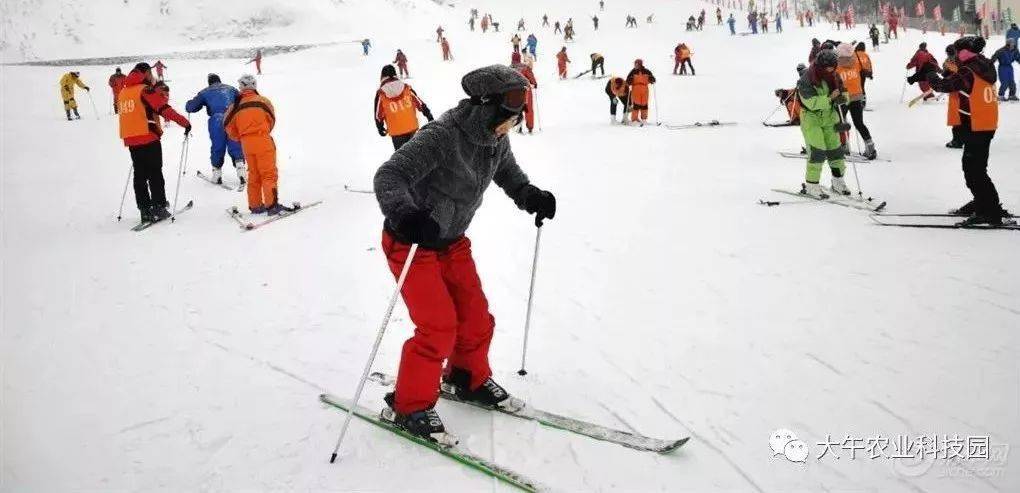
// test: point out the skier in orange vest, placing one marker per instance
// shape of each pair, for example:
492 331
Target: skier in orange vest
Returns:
639 79
395 106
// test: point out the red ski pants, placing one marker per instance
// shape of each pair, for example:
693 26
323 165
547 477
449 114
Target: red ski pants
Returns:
444 297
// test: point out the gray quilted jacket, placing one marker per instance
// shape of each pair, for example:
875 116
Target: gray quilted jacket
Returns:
445 168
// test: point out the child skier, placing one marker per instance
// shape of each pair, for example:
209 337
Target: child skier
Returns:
401 61
923 63
1006 57
67 83
251 121
429 191
141 105
395 105
820 92
216 98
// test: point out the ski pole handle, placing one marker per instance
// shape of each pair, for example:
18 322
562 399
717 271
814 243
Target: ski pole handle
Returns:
375 349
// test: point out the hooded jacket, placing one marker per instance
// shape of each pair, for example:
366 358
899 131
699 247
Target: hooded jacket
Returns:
156 103
446 168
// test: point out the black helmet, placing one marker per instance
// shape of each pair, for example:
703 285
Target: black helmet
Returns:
827 58
388 71
950 50
212 79
923 46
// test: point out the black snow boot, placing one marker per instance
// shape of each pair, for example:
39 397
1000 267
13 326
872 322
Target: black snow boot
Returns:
489 394
422 423
954 144
159 212
147 216
965 210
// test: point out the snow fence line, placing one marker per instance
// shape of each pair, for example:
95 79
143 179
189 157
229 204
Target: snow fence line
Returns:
195 55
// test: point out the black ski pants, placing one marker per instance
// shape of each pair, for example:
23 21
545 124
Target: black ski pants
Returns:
856 109
598 63
975 172
612 104
400 140
147 161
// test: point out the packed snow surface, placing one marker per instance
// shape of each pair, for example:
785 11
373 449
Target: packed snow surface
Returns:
189 357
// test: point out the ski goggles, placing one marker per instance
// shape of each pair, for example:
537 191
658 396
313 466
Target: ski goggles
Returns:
514 100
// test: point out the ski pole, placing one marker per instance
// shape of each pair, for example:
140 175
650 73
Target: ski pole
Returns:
184 171
766 119
123 196
180 167
538 116
655 100
375 349
531 297
93 101
903 91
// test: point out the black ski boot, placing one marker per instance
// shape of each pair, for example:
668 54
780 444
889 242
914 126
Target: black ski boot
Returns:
965 210
277 208
147 216
489 394
954 144
159 213
425 423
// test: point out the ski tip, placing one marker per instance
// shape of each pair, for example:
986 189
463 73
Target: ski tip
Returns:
674 445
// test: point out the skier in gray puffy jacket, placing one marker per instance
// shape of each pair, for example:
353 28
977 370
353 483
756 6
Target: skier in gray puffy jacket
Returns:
429 191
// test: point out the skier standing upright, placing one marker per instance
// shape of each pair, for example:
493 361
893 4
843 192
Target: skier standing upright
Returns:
561 62
849 71
116 84
401 62
529 107
429 191
922 63
250 121
258 61
366 44
820 92
67 83
950 67
532 44
216 98
733 24
1006 57
396 105
141 105
160 67
639 79
979 117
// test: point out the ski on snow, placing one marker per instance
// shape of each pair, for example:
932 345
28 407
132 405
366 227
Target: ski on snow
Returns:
248 225
709 123
209 179
447 448
520 409
838 199
852 157
348 188
145 225
931 221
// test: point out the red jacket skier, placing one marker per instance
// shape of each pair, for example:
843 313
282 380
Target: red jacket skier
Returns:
159 66
401 61
923 63
116 84
561 62
446 49
529 107
141 105
258 61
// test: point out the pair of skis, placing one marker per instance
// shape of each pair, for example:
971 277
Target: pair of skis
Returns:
513 407
705 124
939 221
247 224
207 178
848 201
853 157
142 226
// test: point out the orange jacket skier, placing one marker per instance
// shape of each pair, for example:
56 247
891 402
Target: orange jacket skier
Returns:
639 79
250 121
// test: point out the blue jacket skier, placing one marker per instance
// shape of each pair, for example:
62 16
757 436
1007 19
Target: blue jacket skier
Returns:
1005 57
1013 33
779 22
215 99
732 22
532 44
365 45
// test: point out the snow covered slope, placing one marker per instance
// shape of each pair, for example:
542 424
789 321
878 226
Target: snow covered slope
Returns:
189 357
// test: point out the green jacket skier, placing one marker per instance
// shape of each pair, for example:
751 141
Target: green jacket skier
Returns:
820 92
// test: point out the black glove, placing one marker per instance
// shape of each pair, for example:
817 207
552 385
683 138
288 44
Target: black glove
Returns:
842 127
540 203
87 88
379 126
912 79
187 130
418 227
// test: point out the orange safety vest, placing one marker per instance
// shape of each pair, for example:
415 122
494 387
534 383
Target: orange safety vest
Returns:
851 80
136 117
399 112
984 105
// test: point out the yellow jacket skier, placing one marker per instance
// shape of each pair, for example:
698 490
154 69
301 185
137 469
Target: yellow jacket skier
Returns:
67 83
